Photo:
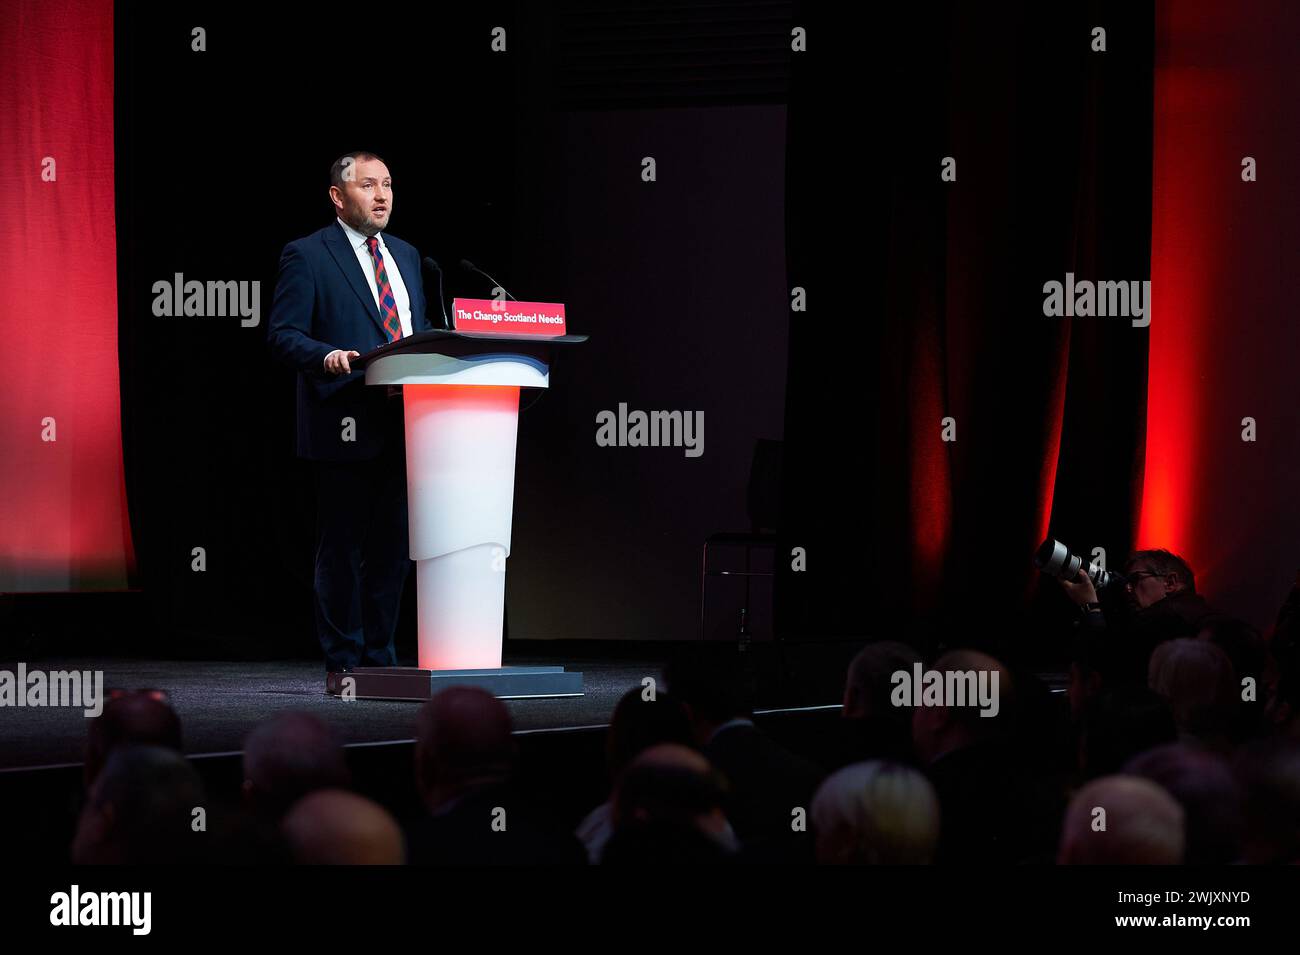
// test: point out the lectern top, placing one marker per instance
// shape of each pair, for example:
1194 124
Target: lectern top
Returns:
466 343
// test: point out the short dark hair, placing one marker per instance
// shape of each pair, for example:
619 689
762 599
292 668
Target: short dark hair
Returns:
346 160
153 791
871 676
638 724
1164 563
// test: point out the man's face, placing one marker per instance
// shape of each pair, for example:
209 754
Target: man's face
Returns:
1144 586
365 200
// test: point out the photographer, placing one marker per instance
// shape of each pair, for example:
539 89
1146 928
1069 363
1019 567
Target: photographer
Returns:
1160 591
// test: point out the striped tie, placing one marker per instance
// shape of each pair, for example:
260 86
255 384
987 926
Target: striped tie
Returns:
392 323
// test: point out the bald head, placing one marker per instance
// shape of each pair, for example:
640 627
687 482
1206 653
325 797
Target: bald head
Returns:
1122 820
463 740
937 730
335 827
672 756
135 719
288 757
668 782
970 660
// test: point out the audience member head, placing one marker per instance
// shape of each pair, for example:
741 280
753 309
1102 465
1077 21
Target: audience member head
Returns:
1152 575
1243 644
868 686
1118 724
672 785
710 682
463 743
1122 820
1196 679
140 810
140 718
938 730
1269 772
638 724
1210 796
336 827
876 813
286 758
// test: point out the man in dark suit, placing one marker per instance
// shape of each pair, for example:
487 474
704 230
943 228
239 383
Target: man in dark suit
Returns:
342 291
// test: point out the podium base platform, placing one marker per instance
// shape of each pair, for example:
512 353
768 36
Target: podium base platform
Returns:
414 683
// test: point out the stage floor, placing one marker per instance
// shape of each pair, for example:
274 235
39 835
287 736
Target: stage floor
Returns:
219 703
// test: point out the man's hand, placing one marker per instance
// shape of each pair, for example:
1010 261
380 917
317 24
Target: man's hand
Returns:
339 362
1080 590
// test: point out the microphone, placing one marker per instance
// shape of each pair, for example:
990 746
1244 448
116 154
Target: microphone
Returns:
432 264
469 266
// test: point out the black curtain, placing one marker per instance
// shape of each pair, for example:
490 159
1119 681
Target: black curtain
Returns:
925 302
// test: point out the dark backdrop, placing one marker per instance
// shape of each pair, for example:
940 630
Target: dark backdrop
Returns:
529 164
933 309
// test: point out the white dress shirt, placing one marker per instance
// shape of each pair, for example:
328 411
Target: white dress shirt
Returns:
362 250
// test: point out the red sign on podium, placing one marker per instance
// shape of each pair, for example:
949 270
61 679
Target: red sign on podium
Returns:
540 319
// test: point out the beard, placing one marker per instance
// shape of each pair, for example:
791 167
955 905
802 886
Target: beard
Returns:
361 221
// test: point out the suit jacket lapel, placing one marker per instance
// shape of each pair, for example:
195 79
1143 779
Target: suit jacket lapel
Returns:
336 240
410 270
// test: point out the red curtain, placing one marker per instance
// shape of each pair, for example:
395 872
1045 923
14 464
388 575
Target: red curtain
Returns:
63 518
1224 335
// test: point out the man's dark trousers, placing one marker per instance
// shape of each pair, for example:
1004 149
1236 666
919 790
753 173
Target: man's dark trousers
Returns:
352 434
362 552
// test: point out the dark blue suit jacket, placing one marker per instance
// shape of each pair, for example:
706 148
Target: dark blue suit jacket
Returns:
323 302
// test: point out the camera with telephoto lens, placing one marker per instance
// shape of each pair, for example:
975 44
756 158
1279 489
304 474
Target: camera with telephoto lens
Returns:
1056 559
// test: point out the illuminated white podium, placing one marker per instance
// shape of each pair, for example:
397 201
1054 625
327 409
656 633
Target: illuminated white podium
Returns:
461 396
